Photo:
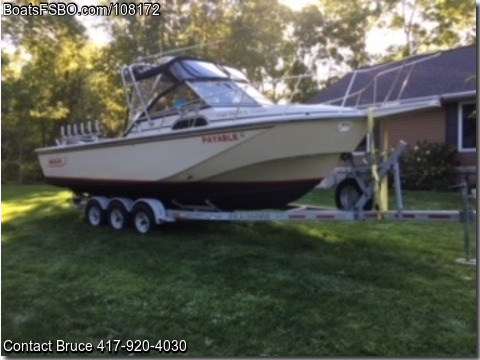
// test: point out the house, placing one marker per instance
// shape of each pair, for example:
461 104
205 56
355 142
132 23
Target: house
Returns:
440 90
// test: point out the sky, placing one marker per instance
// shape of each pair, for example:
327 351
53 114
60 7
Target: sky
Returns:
298 4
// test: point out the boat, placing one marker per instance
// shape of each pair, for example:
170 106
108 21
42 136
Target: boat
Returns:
200 134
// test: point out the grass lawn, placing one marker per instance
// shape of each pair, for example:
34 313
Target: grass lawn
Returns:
238 289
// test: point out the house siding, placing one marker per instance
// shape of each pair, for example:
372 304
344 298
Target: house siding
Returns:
416 127
439 125
412 128
468 158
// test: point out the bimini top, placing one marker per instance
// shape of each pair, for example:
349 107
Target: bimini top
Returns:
182 68
174 83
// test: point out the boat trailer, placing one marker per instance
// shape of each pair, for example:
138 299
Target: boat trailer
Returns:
355 198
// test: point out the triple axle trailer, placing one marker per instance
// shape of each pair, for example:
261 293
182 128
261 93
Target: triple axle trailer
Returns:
355 197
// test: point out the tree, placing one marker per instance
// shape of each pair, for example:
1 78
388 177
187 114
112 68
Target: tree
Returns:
301 89
46 76
429 25
333 35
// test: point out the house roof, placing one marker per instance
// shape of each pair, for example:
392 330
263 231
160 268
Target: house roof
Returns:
443 75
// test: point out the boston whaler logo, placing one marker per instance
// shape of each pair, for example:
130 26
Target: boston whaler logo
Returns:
344 126
222 138
57 162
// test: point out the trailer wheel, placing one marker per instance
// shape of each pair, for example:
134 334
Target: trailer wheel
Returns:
143 219
118 217
94 213
347 194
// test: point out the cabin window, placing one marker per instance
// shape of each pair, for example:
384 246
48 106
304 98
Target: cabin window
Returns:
149 89
175 100
188 123
467 127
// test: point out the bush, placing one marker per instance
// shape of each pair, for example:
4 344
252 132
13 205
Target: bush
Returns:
428 166
26 172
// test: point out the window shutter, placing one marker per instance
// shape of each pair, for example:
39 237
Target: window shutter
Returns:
452 124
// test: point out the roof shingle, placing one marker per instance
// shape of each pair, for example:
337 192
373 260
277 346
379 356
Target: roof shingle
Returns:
420 76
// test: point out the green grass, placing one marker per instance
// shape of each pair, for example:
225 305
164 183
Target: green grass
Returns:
412 200
238 289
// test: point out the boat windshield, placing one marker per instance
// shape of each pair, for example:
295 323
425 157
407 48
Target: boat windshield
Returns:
147 93
176 84
228 93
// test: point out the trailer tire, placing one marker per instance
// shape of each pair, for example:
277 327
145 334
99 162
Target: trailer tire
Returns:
118 216
143 219
94 213
347 194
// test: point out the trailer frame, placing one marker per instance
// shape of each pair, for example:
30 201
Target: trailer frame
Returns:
145 213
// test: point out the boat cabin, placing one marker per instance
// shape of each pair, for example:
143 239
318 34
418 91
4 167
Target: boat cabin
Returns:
178 84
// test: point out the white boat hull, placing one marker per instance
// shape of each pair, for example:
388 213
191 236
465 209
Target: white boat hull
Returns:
237 166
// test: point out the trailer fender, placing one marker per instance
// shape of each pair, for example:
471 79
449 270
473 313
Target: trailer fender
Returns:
157 208
102 200
126 202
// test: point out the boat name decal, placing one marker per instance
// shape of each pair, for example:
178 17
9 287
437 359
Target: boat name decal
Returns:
222 138
57 162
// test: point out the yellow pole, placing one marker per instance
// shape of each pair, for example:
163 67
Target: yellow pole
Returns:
383 200
373 153
381 187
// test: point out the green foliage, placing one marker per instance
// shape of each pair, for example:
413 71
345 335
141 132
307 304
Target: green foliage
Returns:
334 34
429 25
302 89
50 78
429 166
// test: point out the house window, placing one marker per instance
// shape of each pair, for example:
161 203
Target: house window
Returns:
467 127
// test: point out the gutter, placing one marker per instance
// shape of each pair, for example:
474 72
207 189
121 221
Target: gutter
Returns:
459 95
403 107
416 104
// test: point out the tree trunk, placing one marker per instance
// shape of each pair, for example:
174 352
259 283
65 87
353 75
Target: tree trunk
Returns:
20 163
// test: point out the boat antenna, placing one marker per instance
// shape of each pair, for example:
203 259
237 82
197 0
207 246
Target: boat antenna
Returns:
143 58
